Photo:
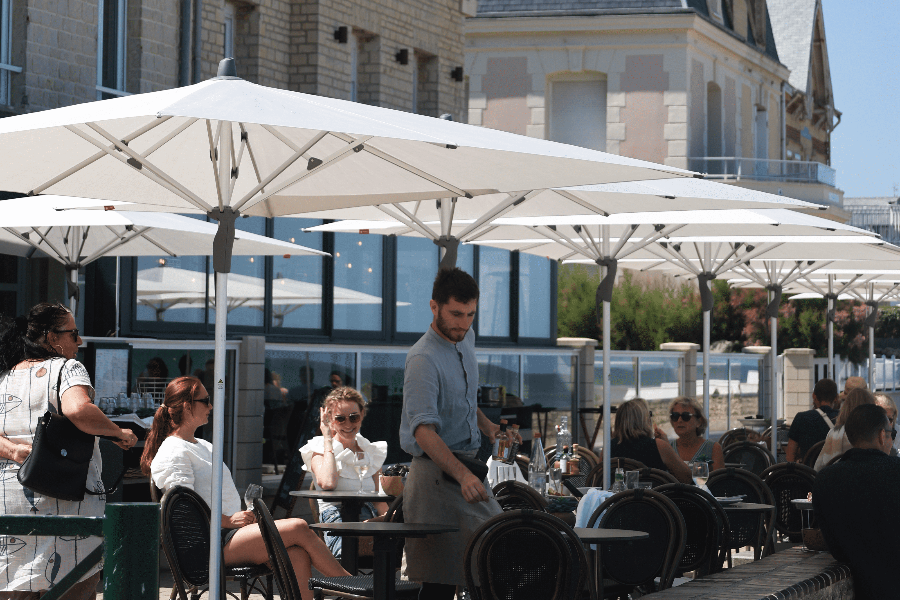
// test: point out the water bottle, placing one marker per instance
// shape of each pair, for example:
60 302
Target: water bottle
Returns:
537 468
619 484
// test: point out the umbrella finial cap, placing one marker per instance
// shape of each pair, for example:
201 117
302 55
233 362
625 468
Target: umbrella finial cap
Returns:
226 68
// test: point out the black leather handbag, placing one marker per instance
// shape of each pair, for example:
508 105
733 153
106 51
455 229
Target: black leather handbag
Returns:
60 457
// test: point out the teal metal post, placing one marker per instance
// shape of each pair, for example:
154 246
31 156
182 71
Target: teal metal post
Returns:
131 564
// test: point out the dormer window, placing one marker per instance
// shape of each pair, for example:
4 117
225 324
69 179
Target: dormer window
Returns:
715 10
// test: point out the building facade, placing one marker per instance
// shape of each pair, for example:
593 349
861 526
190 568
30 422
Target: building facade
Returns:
697 84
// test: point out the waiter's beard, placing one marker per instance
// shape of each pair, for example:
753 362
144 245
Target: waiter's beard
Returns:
454 335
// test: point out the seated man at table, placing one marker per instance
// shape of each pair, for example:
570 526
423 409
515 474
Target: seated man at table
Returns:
811 426
856 502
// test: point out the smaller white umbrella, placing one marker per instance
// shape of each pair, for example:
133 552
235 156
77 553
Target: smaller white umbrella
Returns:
78 237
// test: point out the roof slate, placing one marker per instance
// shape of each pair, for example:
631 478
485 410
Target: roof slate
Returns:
793 22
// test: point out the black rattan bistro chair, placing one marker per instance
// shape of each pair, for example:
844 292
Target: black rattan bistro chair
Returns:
514 495
809 459
361 587
707 533
639 563
746 529
524 554
739 434
789 481
753 456
184 520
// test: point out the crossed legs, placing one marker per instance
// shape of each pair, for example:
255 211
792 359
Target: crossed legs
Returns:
303 546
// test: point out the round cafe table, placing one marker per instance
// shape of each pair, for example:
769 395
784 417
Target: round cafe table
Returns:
351 505
596 535
806 510
386 536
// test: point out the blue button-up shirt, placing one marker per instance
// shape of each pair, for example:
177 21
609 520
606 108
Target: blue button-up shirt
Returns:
440 388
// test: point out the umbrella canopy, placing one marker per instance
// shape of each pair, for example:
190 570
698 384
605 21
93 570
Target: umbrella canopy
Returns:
227 147
78 237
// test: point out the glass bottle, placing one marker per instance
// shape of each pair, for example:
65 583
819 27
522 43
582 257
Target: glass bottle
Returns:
537 468
513 442
619 484
563 435
501 443
564 460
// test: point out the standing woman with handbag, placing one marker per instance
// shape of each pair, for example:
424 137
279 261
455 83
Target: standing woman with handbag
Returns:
38 374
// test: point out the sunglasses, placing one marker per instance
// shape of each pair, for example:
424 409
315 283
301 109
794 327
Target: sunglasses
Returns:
354 418
207 401
74 332
893 433
685 416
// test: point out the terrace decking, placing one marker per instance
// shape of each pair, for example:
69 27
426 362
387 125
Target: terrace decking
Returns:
789 574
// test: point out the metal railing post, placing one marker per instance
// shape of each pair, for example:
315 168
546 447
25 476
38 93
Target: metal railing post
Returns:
131 539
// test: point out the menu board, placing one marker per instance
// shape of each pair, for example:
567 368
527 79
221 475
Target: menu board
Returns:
111 371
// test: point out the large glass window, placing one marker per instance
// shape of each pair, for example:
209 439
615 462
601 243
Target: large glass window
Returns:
499 370
549 380
417 261
534 296
6 66
493 283
578 111
246 283
297 281
111 54
358 282
382 383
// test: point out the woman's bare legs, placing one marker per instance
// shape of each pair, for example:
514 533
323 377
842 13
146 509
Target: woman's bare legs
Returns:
303 546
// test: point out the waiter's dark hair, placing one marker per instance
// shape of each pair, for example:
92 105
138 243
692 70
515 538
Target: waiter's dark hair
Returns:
454 283
24 337
825 390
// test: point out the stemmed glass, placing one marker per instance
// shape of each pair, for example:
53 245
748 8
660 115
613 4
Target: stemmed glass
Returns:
362 468
253 492
700 473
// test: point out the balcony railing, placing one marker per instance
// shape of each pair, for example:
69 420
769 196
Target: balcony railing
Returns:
883 220
735 167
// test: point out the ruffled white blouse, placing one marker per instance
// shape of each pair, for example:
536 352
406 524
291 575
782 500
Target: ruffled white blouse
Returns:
346 460
179 462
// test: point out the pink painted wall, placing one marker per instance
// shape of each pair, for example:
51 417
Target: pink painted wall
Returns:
506 85
644 114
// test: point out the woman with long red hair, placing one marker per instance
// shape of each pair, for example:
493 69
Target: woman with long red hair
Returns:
173 456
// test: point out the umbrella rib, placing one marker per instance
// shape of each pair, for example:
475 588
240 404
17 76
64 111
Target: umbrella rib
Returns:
652 266
750 255
817 288
120 239
331 160
716 268
411 221
681 258
588 240
63 256
214 154
135 134
572 197
298 154
81 243
245 133
650 239
623 239
887 293
565 241
236 160
30 242
415 171
511 201
154 173
752 274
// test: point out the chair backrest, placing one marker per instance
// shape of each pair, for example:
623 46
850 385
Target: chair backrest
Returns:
642 561
705 522
525 554
595 476
754 457
278 556
809 459
789 481
746 529
834 460
739 434
184 520
656 476
513 495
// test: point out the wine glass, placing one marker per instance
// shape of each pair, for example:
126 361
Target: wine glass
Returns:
253 492
700 473
555 479
362 468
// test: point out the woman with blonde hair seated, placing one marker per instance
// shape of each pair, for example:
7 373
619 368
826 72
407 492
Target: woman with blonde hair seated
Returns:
837 442
634 437
173 456
686 416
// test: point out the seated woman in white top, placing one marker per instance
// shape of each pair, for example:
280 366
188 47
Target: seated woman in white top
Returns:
836 441
335 456
173 456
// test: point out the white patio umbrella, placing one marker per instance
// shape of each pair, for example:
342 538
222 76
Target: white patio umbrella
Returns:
605 240
78 237
227 147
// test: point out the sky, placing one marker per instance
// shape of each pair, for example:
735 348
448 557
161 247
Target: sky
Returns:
864 58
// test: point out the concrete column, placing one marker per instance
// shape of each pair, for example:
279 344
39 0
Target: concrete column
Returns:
687 385
765 376
584 390
250 408
798 381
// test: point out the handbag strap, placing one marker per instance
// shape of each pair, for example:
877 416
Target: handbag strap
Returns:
825 418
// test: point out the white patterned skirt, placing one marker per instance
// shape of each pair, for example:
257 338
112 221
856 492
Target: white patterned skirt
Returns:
32 563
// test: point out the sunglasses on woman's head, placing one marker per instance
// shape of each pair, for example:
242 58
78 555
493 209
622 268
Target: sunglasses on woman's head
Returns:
685 416
354 418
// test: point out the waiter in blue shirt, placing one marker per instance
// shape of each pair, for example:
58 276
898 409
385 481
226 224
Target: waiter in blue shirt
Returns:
440 424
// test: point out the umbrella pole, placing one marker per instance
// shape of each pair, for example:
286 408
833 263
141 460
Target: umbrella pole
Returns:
73 297
218 394
773 332
829 315
608 273
870 321
706 336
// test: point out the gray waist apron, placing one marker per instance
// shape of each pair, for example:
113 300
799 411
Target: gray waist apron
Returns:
429 498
